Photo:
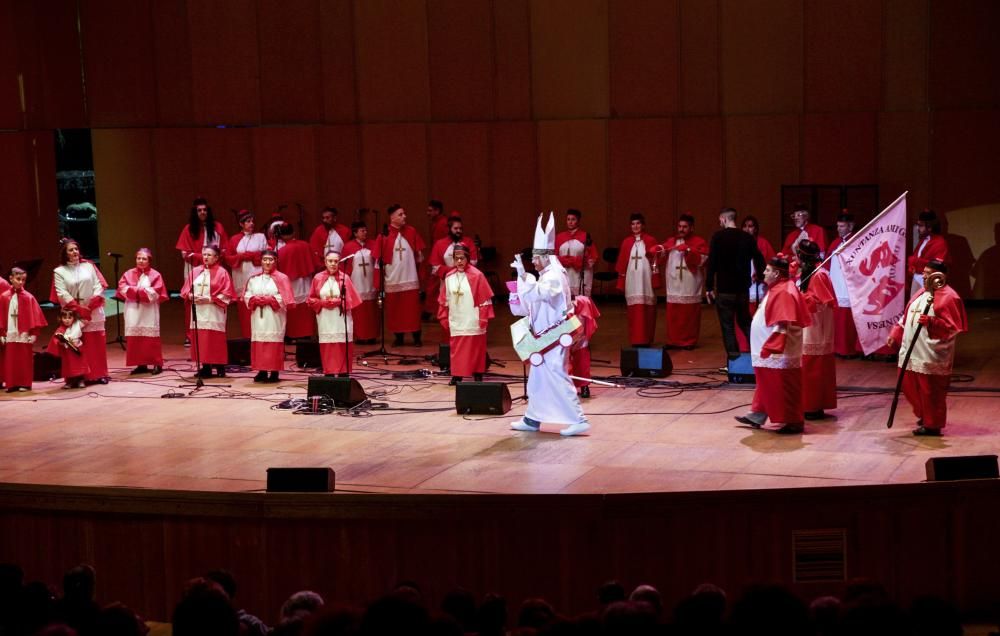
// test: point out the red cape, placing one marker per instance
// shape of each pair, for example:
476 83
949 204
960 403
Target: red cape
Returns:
481 294
441 245
386 243
816 235
187 244
587 312
346 288
30 318
317 240
232 257
785 304
353 247
282 282
221 283
576 262
697 247
625 255
439 227
936 247
131 279
949 318
820 292
295 259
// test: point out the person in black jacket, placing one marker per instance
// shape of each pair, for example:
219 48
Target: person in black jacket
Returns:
727 279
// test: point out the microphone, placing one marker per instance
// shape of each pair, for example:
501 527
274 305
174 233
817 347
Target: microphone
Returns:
115 255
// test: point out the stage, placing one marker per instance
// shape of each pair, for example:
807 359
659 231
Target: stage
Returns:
671 437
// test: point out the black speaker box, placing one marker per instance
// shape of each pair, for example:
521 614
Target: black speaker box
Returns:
307 355
239 351
967 467
343 391
646 362
300 479
46 367
444 357
482 398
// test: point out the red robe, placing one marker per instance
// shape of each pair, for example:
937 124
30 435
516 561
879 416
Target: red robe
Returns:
467 345
402 305
95 345
932 247
819 367
365 314
210 345
4 286
816 235
431 283
143 345
295 260
778 393
579 357
334 327
684 303
641 315
18 368
267 350
319 236
73 364
187 244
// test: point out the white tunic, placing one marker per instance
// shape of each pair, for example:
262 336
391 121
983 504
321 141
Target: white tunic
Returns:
246 269
575 247
684 287
401 273
266 323
331 324
817 338
211 317
80 282
13 335
839 284
760 332
143 319
363 274
639 277
930 356
463 314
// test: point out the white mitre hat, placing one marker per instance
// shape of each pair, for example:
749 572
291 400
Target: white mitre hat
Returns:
545 240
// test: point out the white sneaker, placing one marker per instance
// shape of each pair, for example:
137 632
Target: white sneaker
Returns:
575 429
521 425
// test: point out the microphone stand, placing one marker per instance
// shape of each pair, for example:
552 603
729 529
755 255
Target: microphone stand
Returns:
381 352
583 264
118 305
199 382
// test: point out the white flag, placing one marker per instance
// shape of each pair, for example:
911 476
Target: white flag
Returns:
874 266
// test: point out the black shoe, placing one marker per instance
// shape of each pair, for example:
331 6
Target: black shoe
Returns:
477 377
204 372
139 369
417 340
814 415
425 316
455 379
398 341
923 431
585 391
274 379
157 370
742 419
260 377
791 429
103 380
343 375
220 370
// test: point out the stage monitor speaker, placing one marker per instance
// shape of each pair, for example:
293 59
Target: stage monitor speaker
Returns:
646 362
444 357
740 370
46 367
307 355
343 391
482 398
300 479
239 351
966 467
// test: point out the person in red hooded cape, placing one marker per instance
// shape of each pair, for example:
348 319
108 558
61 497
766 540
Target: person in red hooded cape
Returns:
637 282
400 250
242 255
332 298
67 343
776 352
296 260
329 236
431 283
579 354
442 260
143 291
926 378
268 296
358 263
819 367
577 253
210 290
804 230
21 321
465 307
686 254
78 284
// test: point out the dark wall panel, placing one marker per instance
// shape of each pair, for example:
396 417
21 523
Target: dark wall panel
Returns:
225 172
284 173
460 173
700 168
224 61
903 158
175 164
699 65
337 41
121 89
393 175
762 154
964 72
512 59
291 78
391 45
569 59
964 159
645 57
515 181
769 80
172 56
839 148
460 50
642 174
10 92
904 54
843 55
338 152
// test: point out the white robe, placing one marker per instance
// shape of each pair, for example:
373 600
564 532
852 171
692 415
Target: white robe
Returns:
684 287
246 269
143 319
330 321
211 317
639 277
760 331
401 273
575 247
930 356
363 277
80 283
334 242
266 323
463 314
552 397
13 335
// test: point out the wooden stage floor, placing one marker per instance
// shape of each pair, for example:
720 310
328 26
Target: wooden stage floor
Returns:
651 440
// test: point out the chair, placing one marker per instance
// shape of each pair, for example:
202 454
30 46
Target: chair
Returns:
609 256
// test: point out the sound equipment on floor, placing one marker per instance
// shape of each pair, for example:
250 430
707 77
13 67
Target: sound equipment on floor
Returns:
444 357
46 367
482 398
646 362
740 370
239 351
300 479
345 392
962 467
307 354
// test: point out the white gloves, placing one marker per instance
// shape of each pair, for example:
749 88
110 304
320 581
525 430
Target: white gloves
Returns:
518 265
